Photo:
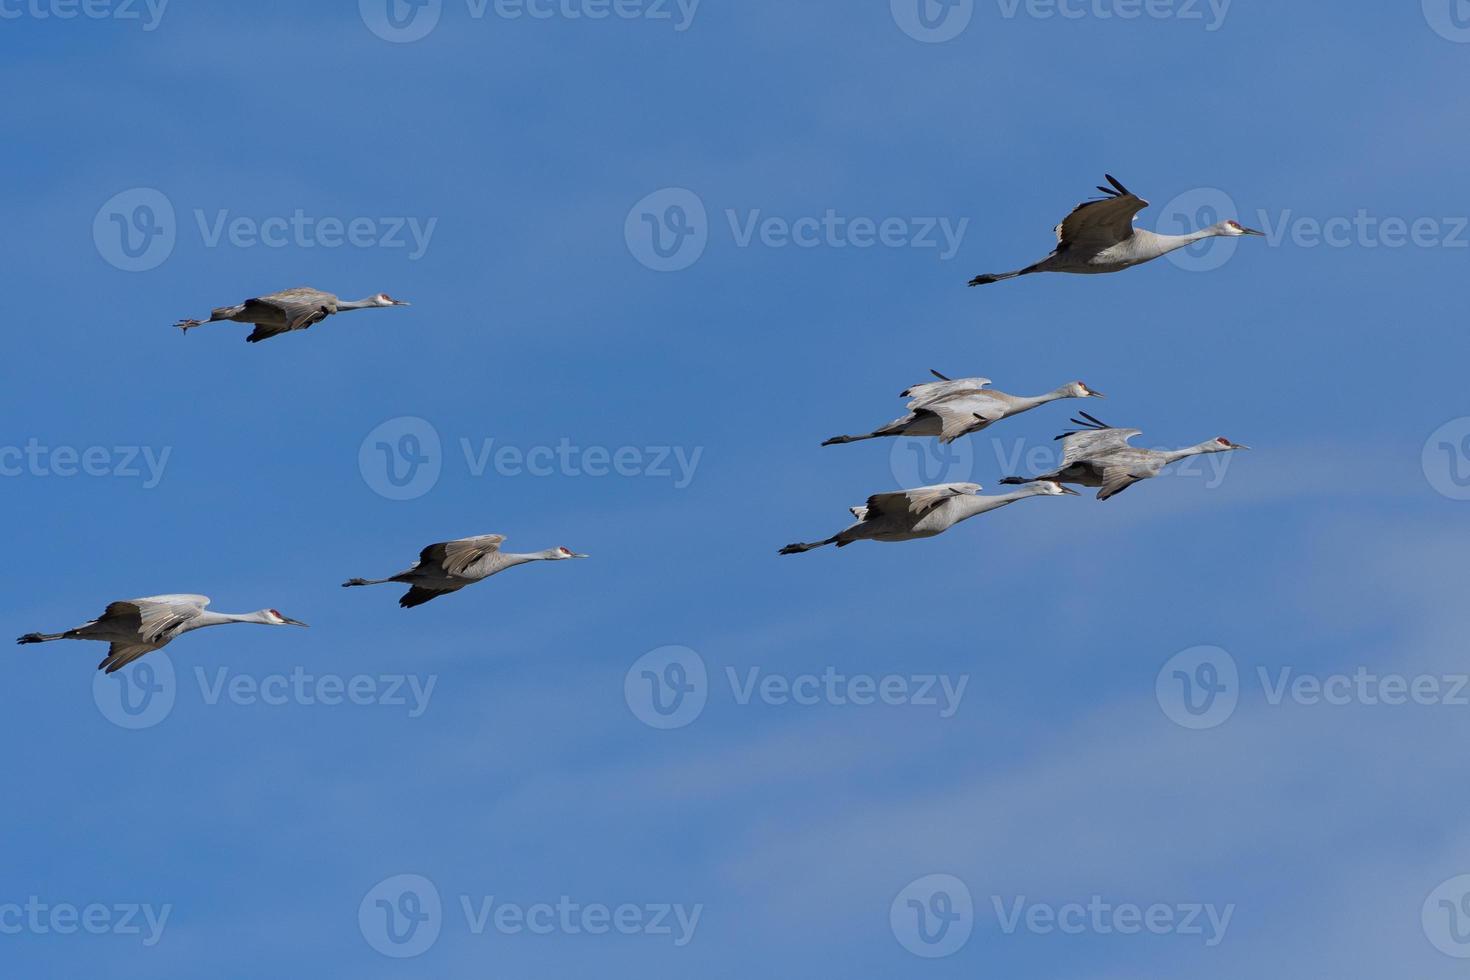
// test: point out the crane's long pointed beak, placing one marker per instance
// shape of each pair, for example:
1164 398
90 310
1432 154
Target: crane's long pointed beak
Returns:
581 556
401 302
1096 394
1068 490
1238 446
292 622
1252 231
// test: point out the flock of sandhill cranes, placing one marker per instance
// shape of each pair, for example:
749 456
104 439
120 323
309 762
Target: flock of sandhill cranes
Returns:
1097 237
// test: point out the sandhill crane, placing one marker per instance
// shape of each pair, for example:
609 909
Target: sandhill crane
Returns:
922 513
1098 236
451 565
950 409
136 627
290 309
1098 455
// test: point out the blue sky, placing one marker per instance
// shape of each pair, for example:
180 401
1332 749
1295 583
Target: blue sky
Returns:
542 343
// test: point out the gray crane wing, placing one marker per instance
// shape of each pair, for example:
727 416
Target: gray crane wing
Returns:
1116 479
920 395
960 411
153 616
456 556
297 309
120 654
1102 222
1079 446
917 501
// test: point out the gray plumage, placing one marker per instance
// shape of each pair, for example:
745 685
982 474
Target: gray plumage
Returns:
1098 236
135 627
950 409
290 309
449 566
1098 455
923 512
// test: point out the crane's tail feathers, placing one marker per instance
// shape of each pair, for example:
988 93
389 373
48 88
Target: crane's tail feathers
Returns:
40 637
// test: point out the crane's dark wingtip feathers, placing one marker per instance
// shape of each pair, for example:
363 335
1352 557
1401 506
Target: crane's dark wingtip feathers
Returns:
417 597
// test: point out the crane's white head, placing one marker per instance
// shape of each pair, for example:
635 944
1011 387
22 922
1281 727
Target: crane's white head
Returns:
1079 390
383 299
1234 229
1051 488
273 617
562 554
1223 445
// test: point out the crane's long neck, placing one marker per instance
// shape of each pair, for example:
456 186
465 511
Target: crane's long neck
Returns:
1164 244
972 506
1175 455
357 304
207 618
1026 403
549 554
